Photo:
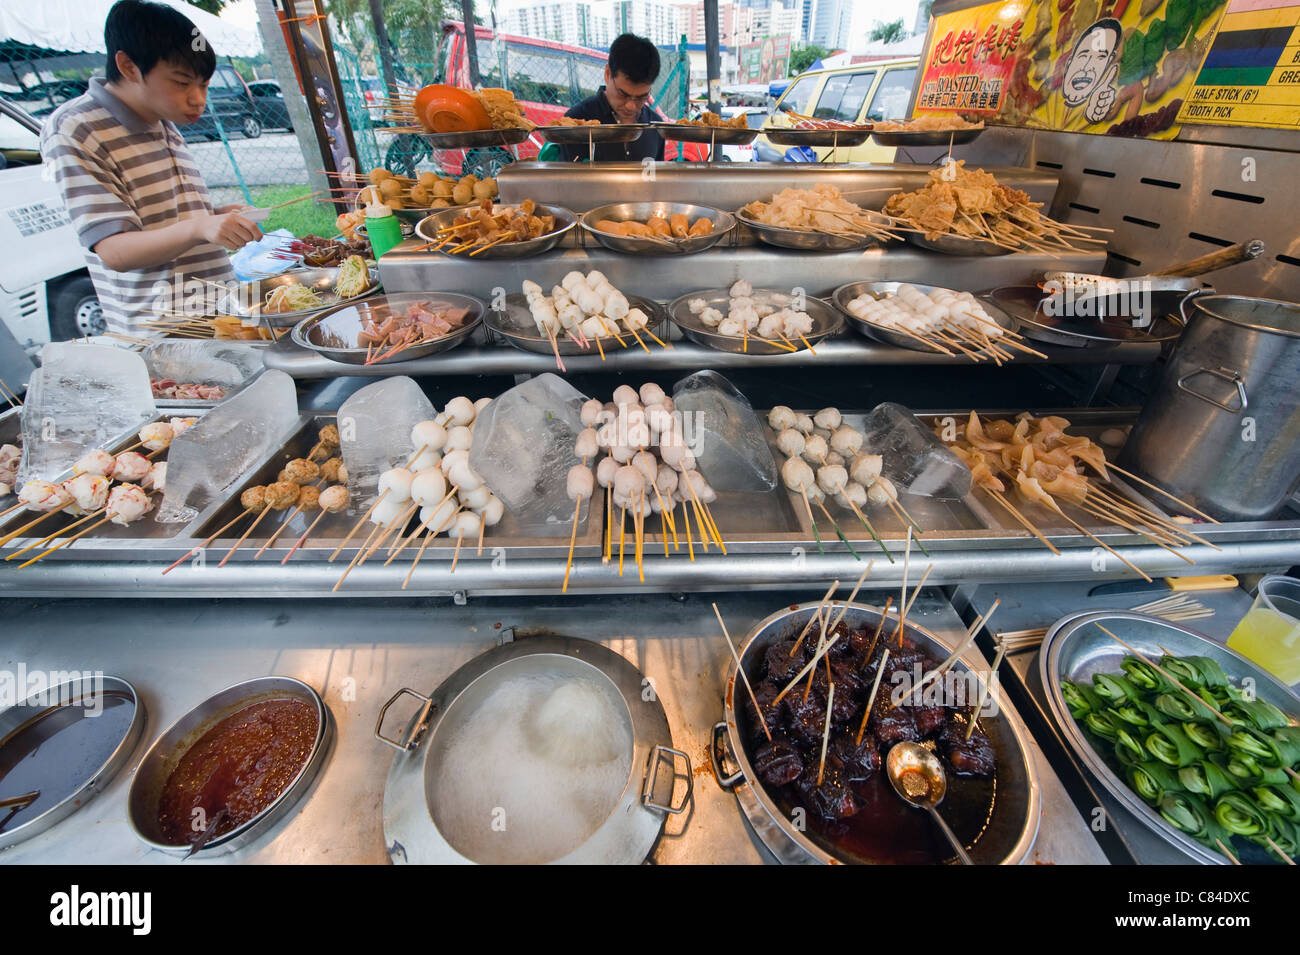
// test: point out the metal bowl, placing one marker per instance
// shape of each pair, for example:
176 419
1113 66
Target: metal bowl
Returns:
957 245
709 135
830 138
321 332
515 324
1011 828
926 137
476 137
583 135
160 761
807 240
625 836
95 777
826 322
247 302
427 229
723 224
1074 650
847 293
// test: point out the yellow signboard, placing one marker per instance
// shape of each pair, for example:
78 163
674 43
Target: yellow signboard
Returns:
1251 76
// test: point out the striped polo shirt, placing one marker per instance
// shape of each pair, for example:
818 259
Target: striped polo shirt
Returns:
117 174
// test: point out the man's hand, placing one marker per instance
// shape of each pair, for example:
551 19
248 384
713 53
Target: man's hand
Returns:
1103 98
229 230
233 207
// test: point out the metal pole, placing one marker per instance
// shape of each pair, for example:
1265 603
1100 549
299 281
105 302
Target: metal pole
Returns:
471 41
713 55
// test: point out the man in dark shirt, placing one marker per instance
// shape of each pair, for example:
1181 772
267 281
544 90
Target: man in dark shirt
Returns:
625 98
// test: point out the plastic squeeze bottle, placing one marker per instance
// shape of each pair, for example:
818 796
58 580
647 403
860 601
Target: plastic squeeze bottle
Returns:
382 229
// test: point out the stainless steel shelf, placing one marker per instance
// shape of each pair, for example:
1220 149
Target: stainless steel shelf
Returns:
480 358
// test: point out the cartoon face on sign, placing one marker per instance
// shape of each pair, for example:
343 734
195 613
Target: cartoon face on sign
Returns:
1090 74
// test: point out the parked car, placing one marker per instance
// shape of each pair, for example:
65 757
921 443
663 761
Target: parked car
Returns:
863 93
231 103
755 117
44 98
45 291
268 98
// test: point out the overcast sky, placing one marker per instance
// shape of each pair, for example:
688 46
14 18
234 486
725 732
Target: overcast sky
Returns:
865 13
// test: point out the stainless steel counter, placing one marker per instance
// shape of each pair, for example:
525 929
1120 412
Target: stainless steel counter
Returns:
357 654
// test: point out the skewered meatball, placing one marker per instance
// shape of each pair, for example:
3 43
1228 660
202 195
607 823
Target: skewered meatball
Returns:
847 441
98 462
791 442
605 472
626 395
865 468
459 411
477 498
127 503
831 478
428 435
459 438
329 436
828 418
591 411
309 498
651 394
815 449
678 457
466 524
804 423
157 435
330 470
797 475
882 491
253 498
579 483
130 467
334 499
282 495
587 444
302 471
386 510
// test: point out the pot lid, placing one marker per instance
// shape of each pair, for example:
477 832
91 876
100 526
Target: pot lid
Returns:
541 750
60 746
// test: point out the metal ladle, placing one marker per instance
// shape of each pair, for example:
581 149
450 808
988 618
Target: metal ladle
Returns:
917 775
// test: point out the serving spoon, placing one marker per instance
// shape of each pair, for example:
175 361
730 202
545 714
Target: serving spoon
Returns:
918 777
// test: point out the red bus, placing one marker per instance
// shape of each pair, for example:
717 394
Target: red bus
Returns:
546 78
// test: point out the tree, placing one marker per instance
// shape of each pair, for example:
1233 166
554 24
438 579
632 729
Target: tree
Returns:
209 6
888 32
805 56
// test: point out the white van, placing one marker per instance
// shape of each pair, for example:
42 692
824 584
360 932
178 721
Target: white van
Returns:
45 291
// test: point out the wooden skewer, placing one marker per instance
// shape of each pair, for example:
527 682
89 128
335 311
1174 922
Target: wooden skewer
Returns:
1001 499
640 537
428 536
902 590
817 614
195 550
305 534
875 686
1145 483
838 531
812 520
30 524
455 557
826 733
1224 849
9 510
1163 672
622 532
902 617
66 541
49 537
984 690
398 522
257 520
357 556
573 538
690 543
609 527
270 541
357 526
966 641
823 647
762 721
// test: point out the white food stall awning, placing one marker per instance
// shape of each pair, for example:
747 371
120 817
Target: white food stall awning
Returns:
78 26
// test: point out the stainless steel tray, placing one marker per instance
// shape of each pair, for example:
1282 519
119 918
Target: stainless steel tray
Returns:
956 245
515 324
826 322
254 293
807 240
723 224
1013 824
847 293
1074 650
710 135
584 135
476 137
344 324
926 137
427 229
824 138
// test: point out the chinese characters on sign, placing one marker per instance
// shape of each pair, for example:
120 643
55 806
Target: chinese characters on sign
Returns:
968 66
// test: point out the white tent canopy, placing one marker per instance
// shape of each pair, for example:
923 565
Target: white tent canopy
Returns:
78 26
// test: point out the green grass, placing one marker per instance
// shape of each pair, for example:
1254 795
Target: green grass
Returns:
306 218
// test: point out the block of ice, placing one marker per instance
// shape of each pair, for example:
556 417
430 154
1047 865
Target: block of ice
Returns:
375 431
720 427
914 457
82 397
523 448
211 362
207 458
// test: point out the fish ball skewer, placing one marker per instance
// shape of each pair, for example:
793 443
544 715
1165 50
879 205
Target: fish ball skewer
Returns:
790 442
460 411
459 438
815 449
130 467
780 418
397 482
591 412
428 487
587 444
429 435
846 441
828 418
865 468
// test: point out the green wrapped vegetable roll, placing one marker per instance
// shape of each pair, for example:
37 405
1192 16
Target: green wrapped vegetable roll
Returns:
1258 714
1249 772
1285 835
1128 749
1144 676
1170 745
1240 814
1079 699
1207 778
1114 689
1188 813
1152 780
1180 706
1279 801
1196 672
1139 714
1276 749
1208 736
1102 723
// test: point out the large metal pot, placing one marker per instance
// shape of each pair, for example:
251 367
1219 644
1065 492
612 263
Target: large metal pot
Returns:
1012 826
1222 429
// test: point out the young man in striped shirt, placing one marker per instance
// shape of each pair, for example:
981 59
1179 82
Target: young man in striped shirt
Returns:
141 210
